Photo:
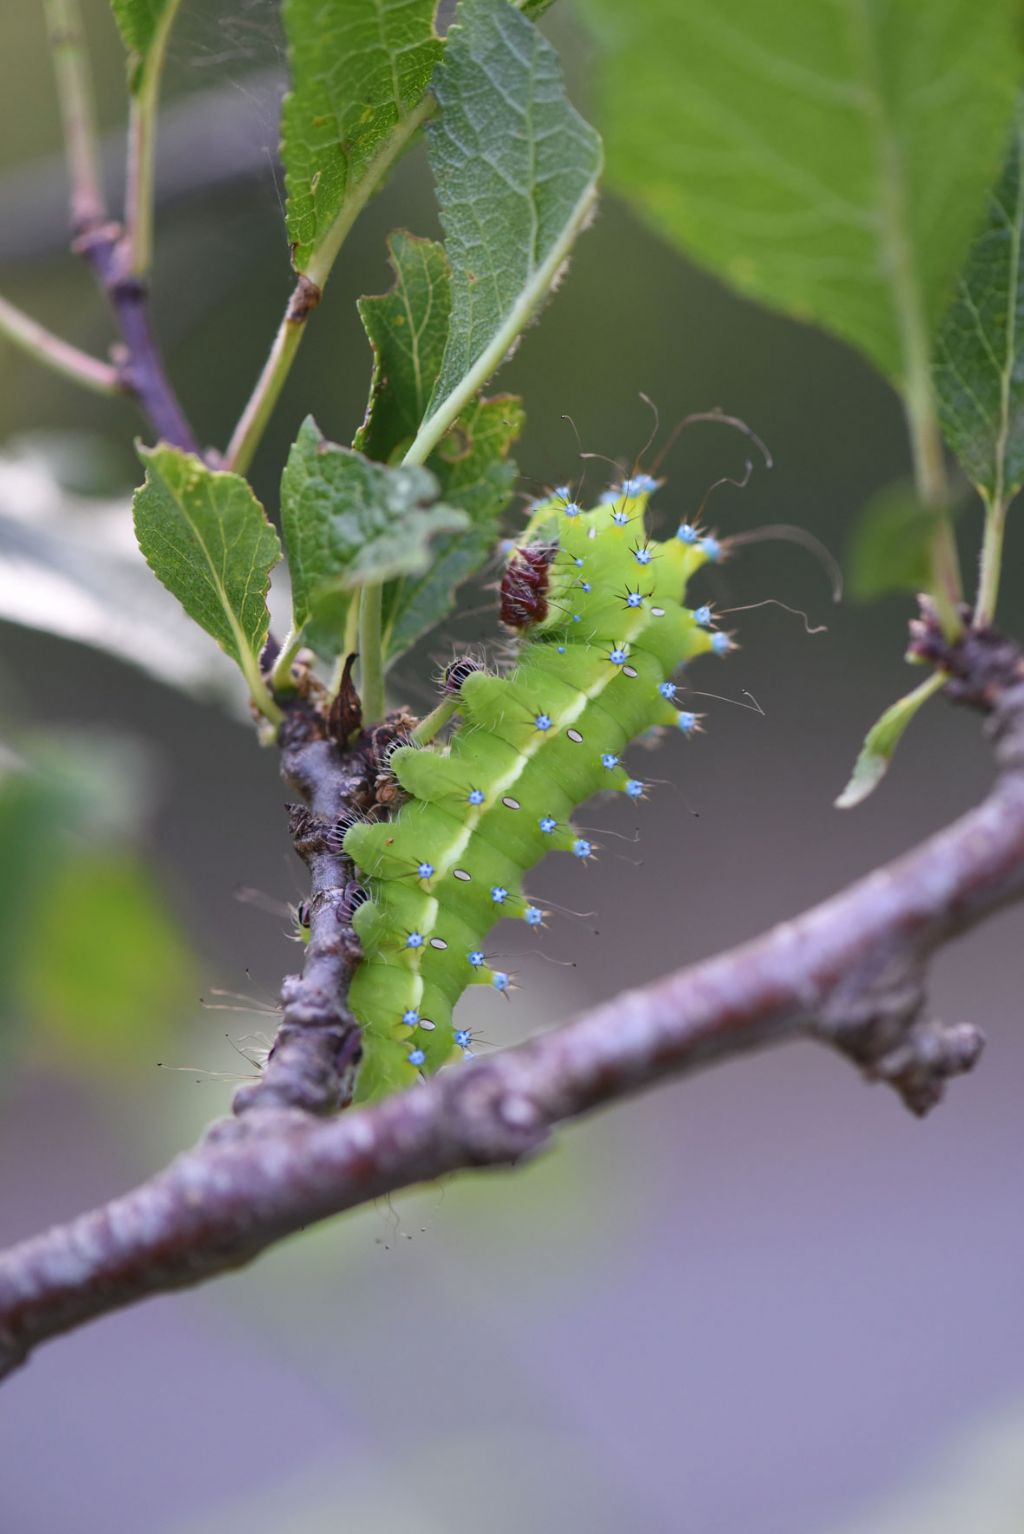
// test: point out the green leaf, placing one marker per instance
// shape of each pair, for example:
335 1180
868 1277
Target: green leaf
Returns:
143 25
476 473
407 328
106 971
890 549
206 538
881 741
472 462
979 368
360 70
829 159
138 21
350 523
516 169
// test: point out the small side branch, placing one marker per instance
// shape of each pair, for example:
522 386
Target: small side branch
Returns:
139 363
59 355
138 366
74 92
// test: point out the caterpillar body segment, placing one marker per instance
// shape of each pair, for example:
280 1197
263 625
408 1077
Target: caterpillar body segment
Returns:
599 608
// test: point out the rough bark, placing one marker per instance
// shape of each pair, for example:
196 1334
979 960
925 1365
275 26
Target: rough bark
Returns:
849 972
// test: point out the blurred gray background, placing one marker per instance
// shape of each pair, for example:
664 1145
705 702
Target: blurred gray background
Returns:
764 1301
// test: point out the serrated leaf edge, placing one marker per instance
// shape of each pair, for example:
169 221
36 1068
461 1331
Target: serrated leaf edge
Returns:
247 659
518 317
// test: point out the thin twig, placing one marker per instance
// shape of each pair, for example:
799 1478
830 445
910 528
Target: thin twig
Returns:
75 94
55 353
849 972
140 367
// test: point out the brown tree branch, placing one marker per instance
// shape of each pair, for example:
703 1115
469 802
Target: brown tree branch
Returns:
340 773
850 972
138 360
312 1064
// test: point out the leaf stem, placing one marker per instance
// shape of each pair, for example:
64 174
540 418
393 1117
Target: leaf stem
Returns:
75 95
39 342
896 247
929 465
138 192
997 500
371 666
252 422
930 479
258 689
991 560
281 675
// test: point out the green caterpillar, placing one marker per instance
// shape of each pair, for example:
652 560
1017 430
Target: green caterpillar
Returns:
604 631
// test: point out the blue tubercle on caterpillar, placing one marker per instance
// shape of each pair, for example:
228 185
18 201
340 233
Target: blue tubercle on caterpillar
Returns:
594 670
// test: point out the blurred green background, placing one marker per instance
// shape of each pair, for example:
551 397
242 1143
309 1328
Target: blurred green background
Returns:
761 1300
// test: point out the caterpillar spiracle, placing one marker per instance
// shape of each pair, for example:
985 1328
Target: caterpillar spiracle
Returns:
600 610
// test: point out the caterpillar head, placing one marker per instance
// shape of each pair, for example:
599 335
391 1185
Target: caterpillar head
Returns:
456 672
